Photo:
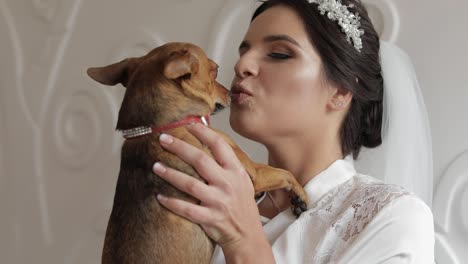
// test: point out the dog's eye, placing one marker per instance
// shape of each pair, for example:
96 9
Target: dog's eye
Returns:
185 77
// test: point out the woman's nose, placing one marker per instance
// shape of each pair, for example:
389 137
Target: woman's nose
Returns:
246 66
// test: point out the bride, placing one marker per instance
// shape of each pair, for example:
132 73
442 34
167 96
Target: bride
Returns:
317 86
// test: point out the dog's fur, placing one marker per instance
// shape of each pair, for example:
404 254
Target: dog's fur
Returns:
166 85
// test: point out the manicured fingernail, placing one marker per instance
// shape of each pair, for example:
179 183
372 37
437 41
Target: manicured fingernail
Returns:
161 197
158 168
166 139
191 125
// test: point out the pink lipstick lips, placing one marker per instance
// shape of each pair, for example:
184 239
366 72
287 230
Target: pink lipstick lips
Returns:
239 94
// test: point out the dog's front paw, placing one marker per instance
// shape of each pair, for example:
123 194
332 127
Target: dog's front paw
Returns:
298 206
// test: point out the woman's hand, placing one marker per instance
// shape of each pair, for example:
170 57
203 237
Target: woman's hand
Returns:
227 212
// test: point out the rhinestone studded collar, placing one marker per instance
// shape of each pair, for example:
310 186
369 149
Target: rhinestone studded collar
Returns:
144 130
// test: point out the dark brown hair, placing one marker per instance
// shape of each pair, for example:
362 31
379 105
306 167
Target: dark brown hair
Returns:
343 65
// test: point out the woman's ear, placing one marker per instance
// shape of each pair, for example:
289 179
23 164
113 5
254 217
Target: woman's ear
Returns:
339 99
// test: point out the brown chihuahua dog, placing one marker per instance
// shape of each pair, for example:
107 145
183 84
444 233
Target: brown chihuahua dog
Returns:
171 86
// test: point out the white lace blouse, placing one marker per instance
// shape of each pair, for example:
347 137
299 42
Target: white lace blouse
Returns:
353 218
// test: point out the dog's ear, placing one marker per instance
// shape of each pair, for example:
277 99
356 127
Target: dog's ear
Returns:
113 74
181 64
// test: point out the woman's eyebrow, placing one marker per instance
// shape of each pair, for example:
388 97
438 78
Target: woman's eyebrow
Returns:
271 38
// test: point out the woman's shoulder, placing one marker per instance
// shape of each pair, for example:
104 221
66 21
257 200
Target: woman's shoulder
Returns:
364 190
389 216
367 188
377 195
364 210
372 200
363 197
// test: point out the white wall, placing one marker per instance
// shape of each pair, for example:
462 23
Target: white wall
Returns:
59 156
435 36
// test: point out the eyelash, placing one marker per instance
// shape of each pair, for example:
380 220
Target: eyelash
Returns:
279 56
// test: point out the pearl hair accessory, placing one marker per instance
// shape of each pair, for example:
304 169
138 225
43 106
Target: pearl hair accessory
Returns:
348 21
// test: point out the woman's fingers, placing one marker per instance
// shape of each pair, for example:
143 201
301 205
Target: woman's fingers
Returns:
226 197
192 212
184 182
203 164
221 150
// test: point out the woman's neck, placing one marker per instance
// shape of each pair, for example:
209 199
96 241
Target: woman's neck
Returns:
303 158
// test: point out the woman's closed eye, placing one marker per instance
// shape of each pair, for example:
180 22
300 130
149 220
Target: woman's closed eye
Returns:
279 56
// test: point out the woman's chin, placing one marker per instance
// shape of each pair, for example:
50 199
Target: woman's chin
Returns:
243 125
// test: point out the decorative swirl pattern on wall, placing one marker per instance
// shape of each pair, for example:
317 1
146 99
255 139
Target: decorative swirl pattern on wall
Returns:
11 68
451 214
77 130
3 109
61 22
46 9
2 135
462 209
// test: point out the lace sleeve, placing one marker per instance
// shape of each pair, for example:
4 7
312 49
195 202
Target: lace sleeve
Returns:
402 232
370 200
346 212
